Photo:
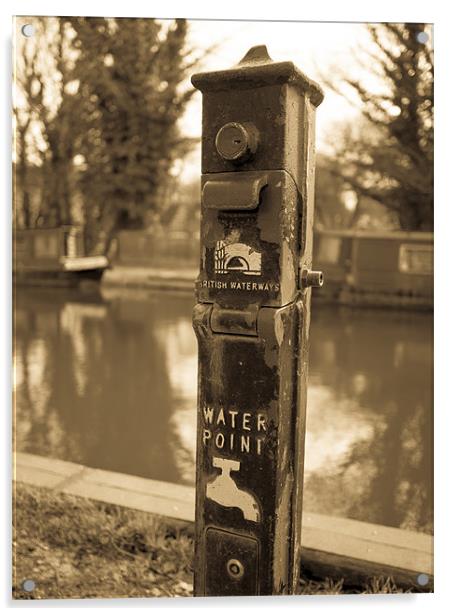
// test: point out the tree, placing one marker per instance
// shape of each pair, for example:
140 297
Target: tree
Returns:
330 207
101 99
130 96
24 77
389 157
45 112
60 129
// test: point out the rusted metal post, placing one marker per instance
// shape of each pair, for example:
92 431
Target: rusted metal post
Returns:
252 322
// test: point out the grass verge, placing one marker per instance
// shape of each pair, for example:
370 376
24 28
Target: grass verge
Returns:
73 548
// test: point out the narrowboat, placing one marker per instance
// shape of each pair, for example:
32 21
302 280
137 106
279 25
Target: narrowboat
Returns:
54 256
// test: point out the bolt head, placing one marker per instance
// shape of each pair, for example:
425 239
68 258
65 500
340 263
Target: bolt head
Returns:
310 278
236 142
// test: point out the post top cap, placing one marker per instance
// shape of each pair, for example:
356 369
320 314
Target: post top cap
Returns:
257 69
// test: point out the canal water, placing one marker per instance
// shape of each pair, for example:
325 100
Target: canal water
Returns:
108 379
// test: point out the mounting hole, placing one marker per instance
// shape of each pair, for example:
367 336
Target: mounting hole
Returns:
422 38
422 579
29 585
28 30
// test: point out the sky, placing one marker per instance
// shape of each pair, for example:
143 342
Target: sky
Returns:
316 48
320 49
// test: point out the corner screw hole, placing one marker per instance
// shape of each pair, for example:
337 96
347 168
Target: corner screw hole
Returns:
422 579
422 38
29 585
28 30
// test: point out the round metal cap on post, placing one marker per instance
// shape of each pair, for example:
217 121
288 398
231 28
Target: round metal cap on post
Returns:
237 142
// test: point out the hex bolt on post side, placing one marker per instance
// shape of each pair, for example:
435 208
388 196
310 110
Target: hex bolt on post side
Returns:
311 278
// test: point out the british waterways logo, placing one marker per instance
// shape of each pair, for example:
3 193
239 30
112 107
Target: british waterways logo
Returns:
237 257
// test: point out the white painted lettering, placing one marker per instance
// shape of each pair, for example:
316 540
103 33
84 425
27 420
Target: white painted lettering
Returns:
208 414
246 421
261 423
219 440
245 443
233 415
259 446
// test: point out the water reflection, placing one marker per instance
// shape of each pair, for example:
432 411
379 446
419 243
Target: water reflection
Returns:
110 382
369 438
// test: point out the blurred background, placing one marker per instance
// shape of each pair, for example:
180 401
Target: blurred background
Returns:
106 163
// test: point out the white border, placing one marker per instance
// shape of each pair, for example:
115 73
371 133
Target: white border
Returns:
347 10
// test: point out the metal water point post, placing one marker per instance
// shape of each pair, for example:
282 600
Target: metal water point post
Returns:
252 323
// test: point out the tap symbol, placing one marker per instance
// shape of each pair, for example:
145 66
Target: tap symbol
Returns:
224 491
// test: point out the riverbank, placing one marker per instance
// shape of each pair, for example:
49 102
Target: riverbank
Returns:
388 269
183 279
73 547
150 278
353 554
